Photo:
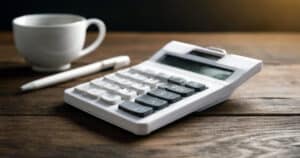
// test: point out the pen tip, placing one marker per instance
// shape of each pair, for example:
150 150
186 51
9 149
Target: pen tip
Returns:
27 87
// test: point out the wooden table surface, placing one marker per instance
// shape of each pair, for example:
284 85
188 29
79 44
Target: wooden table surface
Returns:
261 118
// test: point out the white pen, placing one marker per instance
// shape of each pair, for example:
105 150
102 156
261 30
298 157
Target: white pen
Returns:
115 62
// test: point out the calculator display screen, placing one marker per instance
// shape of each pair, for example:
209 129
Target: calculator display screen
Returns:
196 67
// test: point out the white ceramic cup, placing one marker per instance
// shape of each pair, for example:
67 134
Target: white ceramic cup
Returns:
50 42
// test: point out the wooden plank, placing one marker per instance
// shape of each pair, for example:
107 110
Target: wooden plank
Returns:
84 136
274 91
273 48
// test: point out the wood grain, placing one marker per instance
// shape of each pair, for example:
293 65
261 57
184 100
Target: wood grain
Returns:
260 119
81 135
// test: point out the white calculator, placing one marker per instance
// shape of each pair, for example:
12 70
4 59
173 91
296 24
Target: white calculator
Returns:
177 80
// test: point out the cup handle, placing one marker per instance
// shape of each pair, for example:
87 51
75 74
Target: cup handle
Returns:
102 31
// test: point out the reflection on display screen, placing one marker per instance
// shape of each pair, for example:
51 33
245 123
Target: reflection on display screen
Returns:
196 67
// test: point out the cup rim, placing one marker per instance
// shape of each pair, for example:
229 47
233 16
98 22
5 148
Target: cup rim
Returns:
18 20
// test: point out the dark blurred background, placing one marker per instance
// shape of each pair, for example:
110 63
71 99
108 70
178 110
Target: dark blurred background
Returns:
169 15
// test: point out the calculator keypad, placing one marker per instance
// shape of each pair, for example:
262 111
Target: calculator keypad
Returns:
139 92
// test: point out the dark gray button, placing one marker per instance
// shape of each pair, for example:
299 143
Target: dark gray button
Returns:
195 85
153 102
183 91
165 95
135 109
177 80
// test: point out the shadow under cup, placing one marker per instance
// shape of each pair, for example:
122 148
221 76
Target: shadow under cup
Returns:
50 42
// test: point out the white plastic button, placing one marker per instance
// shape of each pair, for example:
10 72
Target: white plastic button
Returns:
150 72
129 84
80 89
162 76
152 81
126 82
94 93
127 94
111 99
118 80
147 72
98 81
112 78
138 78
142 89
106 85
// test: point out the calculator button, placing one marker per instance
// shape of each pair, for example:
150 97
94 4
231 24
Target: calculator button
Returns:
162 76
111 99
147 72
94 93
127 94
98 81
132 76
177 80
135 77
81 89
141 88
195 85
125 74
110 87
126 82
112 78
150 72
120 81
145 80
152 81
183 91
153 102
135 109
113 87
166 95
139 76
